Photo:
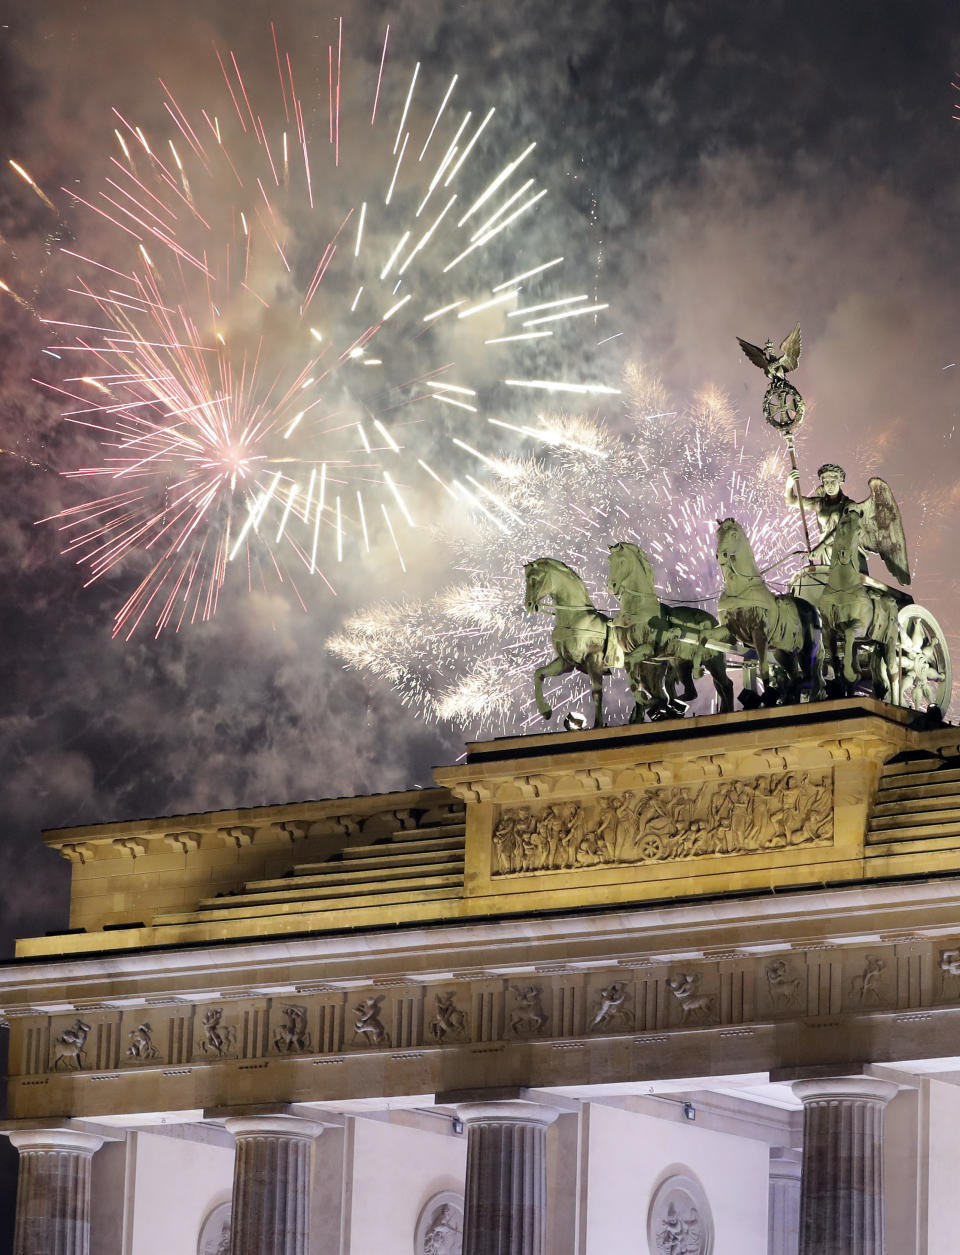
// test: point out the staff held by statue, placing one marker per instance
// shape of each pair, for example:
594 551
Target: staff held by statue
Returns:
783 406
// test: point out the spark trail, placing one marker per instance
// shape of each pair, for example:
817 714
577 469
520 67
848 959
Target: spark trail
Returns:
466 656
271 328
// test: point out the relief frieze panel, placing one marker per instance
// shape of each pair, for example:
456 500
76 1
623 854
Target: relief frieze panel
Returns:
725 991
780 811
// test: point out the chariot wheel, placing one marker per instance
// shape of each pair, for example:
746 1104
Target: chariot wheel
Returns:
651 847
926 676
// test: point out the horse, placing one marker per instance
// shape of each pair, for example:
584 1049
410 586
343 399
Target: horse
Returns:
656 640
583 638
851 612
788 627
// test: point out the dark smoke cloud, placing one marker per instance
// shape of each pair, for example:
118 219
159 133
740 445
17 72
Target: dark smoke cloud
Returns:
726 168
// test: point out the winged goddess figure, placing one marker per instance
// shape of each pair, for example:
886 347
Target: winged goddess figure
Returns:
775 363
882 529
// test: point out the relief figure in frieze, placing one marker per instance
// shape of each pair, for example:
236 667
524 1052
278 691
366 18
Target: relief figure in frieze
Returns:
292 1036
611 1010
368 1026
218 1038
784 988
527 1018
141 1042
71 1045
450 1021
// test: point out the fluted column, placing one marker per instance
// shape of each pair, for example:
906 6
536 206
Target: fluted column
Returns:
53 1191
841 1192
783 1213
271 1184
505 1205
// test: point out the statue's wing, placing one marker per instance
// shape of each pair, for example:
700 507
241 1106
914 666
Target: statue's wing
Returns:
757 356
882 530
790 350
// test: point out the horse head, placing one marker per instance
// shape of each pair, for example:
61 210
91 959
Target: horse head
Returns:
730 538
630 570
535 578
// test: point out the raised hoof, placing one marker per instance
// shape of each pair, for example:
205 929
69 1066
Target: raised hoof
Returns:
749 700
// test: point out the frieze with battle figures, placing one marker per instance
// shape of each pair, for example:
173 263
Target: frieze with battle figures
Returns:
715 819
799 984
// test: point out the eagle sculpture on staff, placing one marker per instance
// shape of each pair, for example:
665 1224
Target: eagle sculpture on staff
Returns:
775 363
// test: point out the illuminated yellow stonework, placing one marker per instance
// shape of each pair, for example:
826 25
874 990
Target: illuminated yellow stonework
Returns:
726 803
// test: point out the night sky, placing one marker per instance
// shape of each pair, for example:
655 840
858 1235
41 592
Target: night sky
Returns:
734 167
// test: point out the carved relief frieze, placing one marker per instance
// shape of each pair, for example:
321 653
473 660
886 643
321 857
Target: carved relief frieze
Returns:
716 818
141 1045
368 1026
786 986
291 1035
612 1011
867 986
696 1007
526 1014
450 1021
949 966
217 1038
70 1047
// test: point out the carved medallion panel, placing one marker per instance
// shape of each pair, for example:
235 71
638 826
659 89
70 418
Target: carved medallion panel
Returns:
439 1228
679 1220
718 818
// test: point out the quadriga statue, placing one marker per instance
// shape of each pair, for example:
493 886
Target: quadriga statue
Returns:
663 646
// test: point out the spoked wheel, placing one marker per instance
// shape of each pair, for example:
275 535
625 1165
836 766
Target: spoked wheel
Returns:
926 676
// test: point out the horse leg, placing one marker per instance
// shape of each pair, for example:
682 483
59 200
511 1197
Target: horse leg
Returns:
557 667
636 688
596 683
790 666
684 672
723 685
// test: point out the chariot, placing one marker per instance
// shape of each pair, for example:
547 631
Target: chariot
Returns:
924 674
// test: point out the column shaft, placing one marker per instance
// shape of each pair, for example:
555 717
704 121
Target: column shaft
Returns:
505 1204
784 1202
841 1196
271 1185
53 1191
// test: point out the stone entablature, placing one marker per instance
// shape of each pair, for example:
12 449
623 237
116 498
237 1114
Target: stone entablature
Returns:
783 982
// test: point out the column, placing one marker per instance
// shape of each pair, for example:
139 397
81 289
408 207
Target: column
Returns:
505 1205
53 1191
271 1184
841 1193
783 1213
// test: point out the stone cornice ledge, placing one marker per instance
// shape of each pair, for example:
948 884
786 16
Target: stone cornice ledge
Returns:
843 915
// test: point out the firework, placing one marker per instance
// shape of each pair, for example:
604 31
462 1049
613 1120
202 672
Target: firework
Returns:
466 655
285 284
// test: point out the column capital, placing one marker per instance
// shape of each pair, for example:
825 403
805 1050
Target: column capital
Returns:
507 1111
850 1088
54 1139
278 1125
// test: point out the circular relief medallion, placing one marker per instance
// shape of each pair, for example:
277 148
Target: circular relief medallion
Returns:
679 1221
440 1225
215 1232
